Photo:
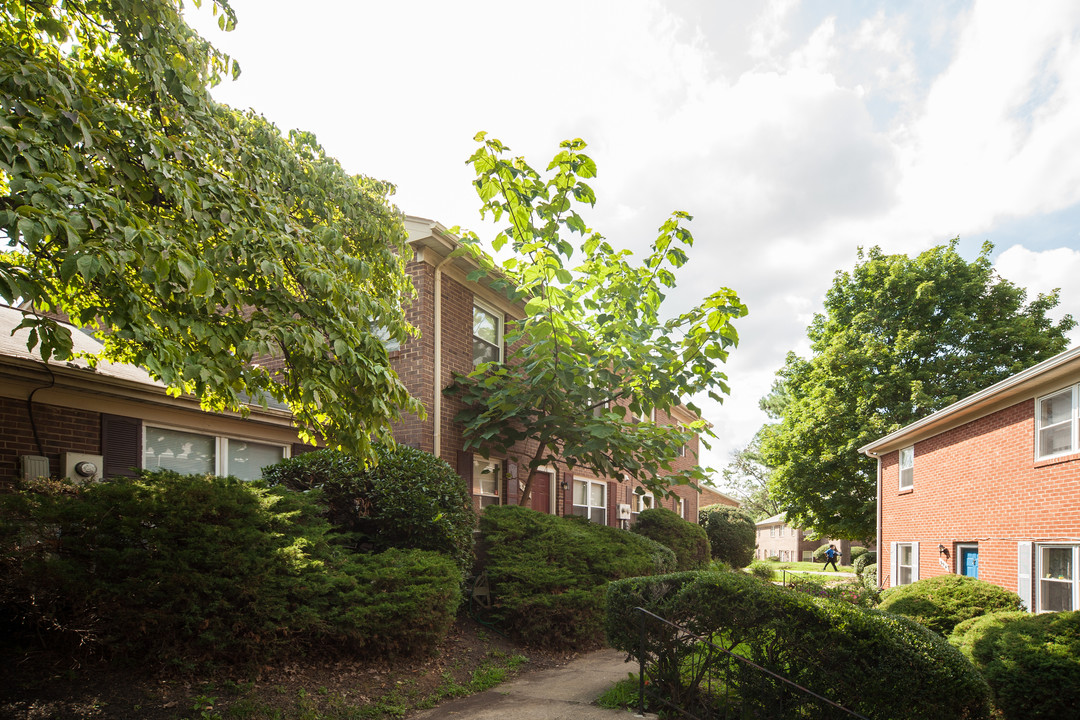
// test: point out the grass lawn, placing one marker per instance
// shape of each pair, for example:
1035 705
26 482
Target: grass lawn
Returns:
807 567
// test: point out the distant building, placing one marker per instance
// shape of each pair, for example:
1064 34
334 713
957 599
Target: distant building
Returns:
776 538
712 496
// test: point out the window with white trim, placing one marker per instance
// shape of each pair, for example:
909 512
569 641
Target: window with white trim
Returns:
590 500
1058 589
647 502
907 468
188 452
905 563
1055 423
487 333
772 531
487 481
680 507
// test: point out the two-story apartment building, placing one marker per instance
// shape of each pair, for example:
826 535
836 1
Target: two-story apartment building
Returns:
989 487
777 538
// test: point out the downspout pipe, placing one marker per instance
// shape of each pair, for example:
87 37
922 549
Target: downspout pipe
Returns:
880 552
436 411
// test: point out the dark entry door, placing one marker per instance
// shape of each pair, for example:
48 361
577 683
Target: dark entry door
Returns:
969 562
541 491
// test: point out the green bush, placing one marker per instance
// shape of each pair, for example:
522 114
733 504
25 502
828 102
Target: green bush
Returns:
827 646
869 576
856 552
731 532
860 563
687 540
198 570
410 499
941 602
547 574
761 569
853 591
1031 662
819 554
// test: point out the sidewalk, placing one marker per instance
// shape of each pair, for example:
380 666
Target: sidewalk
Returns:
564 693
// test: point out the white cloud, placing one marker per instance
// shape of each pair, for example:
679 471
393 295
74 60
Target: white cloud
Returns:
1043 272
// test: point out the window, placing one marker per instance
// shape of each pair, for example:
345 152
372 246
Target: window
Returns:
1058 586
646 502
187 452
772 531
907 468
391 344
487 334
590 500
905 562
487 481
680 507
1055 418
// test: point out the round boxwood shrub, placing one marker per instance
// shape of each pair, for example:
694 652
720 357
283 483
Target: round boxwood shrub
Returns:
819 554
941 602
1031 662
731 532
410 499
827 646
860 563
856 552
869 576
547 574
687 540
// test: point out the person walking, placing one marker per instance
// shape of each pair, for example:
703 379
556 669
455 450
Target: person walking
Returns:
830 557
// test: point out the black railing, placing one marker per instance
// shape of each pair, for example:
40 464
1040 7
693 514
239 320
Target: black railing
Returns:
696 678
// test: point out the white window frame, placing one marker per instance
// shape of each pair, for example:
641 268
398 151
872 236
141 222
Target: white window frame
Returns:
588 508
772 531
907 454
681 504
479 463
1074 581
653 501
896 566
1073 424
500 321
221 445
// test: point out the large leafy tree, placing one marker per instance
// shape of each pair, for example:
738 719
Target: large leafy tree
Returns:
594 355
192 238
748 476
900 337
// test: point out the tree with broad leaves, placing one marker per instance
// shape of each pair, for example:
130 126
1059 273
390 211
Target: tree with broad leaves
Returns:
191 238
747 475
900 338
593 355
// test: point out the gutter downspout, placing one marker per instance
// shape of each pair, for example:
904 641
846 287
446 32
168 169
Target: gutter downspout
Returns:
879 497
436 412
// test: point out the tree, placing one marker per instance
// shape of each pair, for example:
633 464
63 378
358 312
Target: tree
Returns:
732 534
748 476
900 338
191 238
593 355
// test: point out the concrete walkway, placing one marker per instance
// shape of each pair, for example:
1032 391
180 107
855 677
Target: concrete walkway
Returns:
564 693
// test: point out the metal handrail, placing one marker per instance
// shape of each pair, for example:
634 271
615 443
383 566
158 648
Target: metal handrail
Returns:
645 614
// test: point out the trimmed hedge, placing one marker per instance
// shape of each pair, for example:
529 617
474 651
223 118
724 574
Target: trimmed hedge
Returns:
731 532
941 602
869 576
547 573
1031 662
410 499
860 563
856 552
819 554
828 646
198 570
687 540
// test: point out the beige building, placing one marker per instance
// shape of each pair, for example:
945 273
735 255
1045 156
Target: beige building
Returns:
776 538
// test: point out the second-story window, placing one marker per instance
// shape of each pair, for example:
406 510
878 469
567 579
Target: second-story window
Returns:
487 334
907 468
1055 418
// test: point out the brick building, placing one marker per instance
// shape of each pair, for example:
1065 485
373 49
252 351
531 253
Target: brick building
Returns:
712 496
776 538
989 487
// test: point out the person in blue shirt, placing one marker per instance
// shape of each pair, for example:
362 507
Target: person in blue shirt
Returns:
831 556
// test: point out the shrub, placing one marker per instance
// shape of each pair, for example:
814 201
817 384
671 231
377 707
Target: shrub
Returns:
1031 662
869 576
547 573
761 569
860 563
941 602
410 499
827 646
853 591
856 552
686 540
819 554
199 570
732 534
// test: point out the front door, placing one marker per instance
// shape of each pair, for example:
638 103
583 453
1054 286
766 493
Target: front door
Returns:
541 491
969 561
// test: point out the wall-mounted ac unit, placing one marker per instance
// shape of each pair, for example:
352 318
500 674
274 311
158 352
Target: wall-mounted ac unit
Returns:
82 467
34 466
622 511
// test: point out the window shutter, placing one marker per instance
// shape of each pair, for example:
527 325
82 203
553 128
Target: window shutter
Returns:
301 448
121 445
894 565
464 469
1023 574
914 562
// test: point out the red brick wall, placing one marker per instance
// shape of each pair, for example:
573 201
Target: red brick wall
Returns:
60 430
979 483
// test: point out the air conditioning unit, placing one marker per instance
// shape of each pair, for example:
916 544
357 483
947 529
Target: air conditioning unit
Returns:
34 466
622 511
81 467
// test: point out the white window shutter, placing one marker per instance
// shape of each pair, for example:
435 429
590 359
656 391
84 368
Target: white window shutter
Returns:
914 562
1023 574
893 564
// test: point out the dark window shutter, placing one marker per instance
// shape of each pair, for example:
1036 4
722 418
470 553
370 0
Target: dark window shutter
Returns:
301 448
121 445
464 469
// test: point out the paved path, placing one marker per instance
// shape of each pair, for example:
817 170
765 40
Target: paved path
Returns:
564 693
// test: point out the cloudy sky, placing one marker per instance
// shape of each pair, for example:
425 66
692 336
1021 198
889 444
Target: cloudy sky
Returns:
793 132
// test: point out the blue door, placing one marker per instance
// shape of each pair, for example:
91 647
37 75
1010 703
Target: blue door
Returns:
969 562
